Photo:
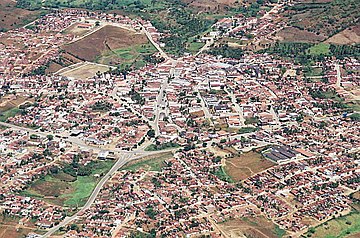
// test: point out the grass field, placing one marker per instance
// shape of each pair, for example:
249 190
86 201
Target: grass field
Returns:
64 190
246 165
222 175
258 227
151 163
319 49
340 227
194 47
9 113
131 56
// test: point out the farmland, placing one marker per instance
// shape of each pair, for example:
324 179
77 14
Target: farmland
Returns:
292 34
324 18
246 165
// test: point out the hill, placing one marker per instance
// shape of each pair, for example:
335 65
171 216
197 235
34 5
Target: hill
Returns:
12 17
322 19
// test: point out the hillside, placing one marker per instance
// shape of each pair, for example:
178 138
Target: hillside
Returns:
12 17
322 19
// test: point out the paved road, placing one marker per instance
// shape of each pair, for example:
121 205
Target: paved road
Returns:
148 35
338 75
206 46
80 143
237 107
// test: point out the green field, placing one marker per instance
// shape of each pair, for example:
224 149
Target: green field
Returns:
151 163
9 113
345 226
130 56
319 49
65 190
194 47
222 175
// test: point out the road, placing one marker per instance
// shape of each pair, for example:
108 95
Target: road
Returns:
338 75
207 46
80 143
237 107
157 46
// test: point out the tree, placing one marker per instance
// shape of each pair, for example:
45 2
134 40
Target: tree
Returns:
151 133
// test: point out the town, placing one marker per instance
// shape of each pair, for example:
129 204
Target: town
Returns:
159 146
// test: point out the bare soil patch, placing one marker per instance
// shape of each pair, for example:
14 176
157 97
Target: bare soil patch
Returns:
12 17
85 71
105 39
246 165
9 227
346 37
76 31
256 227
210 5
292 34
12 101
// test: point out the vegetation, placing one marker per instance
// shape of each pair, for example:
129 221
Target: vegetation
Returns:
244 130
305 53
226 51
194 47
9 113
152 163
340 227
222 175
101 106
70 186
164 146
251 120
355 116
131 57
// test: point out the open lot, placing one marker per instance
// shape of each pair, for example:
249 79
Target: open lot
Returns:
9 105
85 71
246 165
255 227
345 226
11 101
76 30
10 227
151 163
347 36
292 34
